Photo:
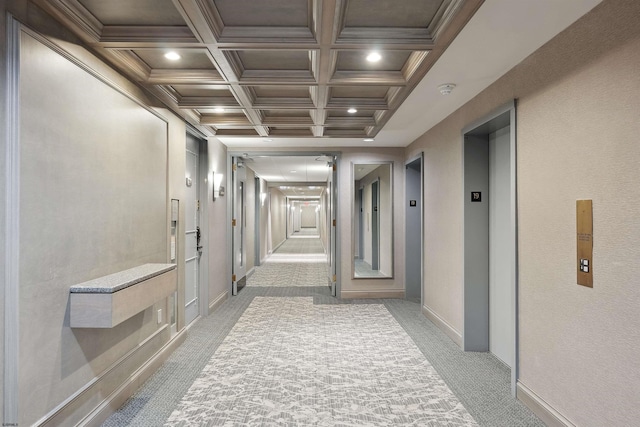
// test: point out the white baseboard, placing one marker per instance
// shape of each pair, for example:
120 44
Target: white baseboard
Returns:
86 407
371 294
250 272
542 409
213 306
442 324
137 379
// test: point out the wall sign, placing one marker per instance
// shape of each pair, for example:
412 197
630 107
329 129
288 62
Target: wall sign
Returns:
476 196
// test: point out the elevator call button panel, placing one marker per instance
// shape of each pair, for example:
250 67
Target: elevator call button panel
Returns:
584 239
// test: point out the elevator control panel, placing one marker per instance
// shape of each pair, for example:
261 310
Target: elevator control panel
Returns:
584 239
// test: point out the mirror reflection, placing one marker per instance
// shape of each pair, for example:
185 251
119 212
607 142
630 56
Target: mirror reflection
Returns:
372 221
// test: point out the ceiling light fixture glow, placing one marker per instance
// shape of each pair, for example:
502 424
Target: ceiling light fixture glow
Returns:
368 140
352 110
218 110
374 57
172 56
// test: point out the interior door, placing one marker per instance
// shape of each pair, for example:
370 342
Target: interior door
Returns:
238 223
192 233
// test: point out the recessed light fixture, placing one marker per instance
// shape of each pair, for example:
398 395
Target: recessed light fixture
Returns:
368 140
292 171
374 57
268 140
352 110
172 56
446 88
218 110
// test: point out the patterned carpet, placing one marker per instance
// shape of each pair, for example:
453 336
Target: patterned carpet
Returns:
299 261
286 354
290 362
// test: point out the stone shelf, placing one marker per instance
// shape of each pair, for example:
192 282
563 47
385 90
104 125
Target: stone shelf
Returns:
110 300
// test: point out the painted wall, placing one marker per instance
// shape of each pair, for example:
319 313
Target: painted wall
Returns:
219 272
250 216
577 138
308 215
278 206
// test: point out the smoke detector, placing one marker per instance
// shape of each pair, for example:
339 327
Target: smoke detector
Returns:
446 88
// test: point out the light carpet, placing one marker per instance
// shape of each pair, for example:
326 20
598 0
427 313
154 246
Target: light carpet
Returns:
290 362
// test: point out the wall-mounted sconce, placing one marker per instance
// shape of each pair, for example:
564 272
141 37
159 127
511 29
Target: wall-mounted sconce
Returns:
218 190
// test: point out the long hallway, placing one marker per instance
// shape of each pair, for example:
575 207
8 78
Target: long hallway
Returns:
283 352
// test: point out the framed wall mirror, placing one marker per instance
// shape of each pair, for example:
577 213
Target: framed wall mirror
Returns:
372 236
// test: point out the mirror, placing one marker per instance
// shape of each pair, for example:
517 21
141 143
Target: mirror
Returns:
372 226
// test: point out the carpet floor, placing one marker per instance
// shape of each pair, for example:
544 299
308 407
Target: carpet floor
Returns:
290 354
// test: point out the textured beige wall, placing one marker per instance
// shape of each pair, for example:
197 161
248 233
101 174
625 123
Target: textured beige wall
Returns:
219 273
278 206
578 123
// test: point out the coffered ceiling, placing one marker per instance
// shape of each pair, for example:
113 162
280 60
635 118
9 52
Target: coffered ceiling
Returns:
272 68
284 73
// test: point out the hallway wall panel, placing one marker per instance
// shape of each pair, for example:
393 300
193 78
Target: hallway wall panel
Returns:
219 272
577 138
96 173
278 206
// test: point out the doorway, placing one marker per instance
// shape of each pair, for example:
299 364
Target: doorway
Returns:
490 238
192 231
413 230
238 223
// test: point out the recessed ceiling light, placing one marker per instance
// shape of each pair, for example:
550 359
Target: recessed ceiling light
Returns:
374 57
368 140
292 171
218 110
352 110
173 56
268 139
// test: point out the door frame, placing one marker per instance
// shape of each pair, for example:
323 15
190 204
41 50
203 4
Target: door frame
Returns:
474 307
203 220
336 250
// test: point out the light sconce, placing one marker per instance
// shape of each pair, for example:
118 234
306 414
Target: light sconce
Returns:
218 190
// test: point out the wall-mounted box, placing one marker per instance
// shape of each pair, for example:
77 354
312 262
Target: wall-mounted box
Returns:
110 300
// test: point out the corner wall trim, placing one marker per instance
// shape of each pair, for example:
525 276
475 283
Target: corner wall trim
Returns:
11 245
542 409
449 330
216 303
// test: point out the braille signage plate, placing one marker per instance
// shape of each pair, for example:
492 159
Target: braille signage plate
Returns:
584 239
476 196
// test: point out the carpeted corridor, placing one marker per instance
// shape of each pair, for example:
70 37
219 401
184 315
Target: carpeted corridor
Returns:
284 352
